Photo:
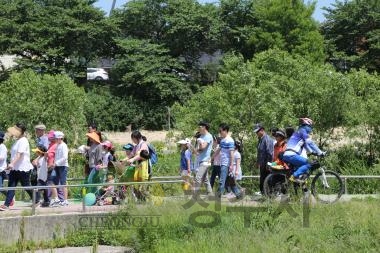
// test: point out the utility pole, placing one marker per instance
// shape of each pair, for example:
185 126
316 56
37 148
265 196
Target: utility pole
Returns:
112 6
168 117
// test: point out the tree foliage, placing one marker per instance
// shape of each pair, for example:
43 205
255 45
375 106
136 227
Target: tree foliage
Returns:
185 27
147 73
253 26
51 99
54 36
352 33
111 112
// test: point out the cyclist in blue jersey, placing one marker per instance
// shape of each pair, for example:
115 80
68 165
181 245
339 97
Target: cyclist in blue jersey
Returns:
299 144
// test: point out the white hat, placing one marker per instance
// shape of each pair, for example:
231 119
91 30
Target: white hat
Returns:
200 140
58 135
185 141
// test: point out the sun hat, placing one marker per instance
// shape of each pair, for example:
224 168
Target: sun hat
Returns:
39 149
58 135
94 136
185 141
107 144
40 127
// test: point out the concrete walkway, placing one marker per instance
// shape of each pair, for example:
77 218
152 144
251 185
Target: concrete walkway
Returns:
100 249
24 208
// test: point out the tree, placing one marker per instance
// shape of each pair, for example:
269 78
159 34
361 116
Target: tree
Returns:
52 99
185 27
54 36
146 72
352 33
257 25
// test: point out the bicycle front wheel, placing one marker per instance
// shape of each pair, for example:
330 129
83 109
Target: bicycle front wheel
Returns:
327 187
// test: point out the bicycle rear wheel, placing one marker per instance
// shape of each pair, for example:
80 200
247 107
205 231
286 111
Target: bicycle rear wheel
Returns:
275 185
328 187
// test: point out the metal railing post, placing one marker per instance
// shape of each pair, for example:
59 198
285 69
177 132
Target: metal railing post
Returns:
83 191
34 191
345 185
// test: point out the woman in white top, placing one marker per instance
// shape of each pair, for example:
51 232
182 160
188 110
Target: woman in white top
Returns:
20 165
3 161
61 162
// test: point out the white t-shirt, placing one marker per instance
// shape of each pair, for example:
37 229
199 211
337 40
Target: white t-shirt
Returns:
21 146
237 169
3 157
42 170
61 155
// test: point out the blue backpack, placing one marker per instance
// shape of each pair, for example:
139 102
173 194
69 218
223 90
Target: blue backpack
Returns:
153 154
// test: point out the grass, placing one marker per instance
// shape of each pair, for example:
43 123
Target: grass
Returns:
343 227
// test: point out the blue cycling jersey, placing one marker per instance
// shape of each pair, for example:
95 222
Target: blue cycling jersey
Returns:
301 140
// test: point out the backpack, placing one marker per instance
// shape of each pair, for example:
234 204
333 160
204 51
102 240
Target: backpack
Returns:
153 154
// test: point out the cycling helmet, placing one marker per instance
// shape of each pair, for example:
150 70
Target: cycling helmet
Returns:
306 121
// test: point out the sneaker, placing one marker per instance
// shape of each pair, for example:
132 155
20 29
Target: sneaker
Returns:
64 203
4 208
54 202
258 193
230 195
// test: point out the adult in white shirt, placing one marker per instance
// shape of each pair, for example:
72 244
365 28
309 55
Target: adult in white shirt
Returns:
61 161
3 161
20 165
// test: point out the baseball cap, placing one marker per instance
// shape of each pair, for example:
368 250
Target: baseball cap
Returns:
128 146
257 127
51 134
58 135
107 144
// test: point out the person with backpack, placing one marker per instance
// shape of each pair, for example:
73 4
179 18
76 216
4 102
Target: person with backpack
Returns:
140 145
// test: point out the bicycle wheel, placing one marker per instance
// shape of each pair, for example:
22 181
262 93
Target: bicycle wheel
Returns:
328 187
275 185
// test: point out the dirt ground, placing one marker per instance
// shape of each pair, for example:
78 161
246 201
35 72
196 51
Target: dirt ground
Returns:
125 137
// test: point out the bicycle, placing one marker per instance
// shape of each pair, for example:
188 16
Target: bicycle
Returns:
326 185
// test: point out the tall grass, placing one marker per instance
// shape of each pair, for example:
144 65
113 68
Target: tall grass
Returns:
343 227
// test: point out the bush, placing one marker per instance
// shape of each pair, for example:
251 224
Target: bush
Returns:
54 100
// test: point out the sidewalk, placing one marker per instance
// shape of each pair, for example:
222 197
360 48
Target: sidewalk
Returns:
100 249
